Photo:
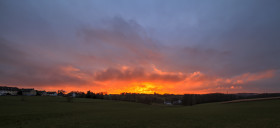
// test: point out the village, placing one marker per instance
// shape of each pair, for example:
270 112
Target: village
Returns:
166 99
14 91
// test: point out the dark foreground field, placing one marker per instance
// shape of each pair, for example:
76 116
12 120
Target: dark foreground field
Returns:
55 112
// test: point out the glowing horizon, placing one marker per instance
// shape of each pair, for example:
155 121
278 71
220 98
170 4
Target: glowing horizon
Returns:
145 85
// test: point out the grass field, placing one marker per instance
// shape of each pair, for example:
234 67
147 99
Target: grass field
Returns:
55 112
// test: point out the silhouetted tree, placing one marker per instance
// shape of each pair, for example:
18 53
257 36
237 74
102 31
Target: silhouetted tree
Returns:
61 92
89 94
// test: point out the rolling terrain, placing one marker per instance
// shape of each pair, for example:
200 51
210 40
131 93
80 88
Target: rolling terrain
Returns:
56 112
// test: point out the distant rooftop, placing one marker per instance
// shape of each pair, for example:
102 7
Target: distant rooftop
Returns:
8 88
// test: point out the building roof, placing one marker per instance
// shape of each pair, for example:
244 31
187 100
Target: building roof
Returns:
51 92
8 88
27 90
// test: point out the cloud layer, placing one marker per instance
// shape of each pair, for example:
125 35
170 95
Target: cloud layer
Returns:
161 46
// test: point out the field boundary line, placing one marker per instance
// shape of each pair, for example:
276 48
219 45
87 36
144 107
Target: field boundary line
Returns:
245 100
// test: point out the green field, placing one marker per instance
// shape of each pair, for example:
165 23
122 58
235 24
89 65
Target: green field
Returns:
56 112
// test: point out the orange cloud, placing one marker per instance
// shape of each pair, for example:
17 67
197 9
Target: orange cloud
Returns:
73 72
150 80
248 77
138 74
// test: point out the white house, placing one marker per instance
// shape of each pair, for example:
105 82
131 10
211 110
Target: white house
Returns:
41 93
8 90
167 103
51 94
177 102
73 94
29 92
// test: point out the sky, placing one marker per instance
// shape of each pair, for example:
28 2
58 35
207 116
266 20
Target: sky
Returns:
141 46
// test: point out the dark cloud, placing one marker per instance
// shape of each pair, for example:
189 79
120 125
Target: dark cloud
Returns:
9 54
50 43
17 67
136 74
191 59
122 41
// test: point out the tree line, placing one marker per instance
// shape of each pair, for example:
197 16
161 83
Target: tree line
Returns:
186 99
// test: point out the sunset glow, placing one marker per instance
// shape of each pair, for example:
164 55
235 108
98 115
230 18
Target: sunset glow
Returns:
116 81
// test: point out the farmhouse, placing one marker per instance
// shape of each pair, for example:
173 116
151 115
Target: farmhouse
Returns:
41 93
8 90
167 102
177 102
51 94
29 92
